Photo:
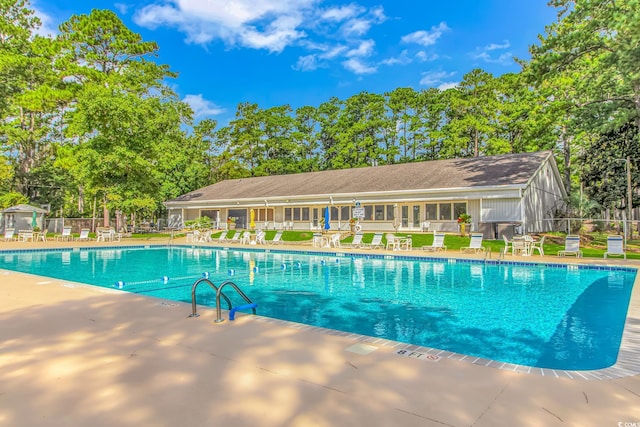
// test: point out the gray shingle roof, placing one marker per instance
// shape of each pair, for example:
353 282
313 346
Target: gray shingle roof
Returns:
509 169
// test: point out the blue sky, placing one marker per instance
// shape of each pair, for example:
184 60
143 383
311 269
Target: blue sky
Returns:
302 52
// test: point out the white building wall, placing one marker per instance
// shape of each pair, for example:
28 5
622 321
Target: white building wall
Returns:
541 200
501 210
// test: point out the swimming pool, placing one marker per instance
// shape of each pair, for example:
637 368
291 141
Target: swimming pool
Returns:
553 316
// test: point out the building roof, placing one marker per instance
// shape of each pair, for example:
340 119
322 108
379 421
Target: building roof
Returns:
24 209
502 170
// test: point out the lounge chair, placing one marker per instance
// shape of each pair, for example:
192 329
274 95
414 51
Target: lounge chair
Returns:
235 238
571 247
357 241
376 242
66 234
84 235
223 236
615 246
438 243
539 246
260 237
277 239
475 245
9 235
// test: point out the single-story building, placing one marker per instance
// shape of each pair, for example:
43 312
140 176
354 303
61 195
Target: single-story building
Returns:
21 217
503 194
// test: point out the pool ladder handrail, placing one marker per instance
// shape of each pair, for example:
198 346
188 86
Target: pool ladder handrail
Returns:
219 293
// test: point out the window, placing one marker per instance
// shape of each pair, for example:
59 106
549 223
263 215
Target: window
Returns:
459 208
305 214
416 215
390 216
405 216
334 213
368 212
379 212
287 214
344 213
296 214
431 211
445 211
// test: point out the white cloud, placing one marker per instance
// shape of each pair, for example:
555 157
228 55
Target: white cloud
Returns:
433 78
202 107
402 59
342 13
358 67
122 7
448 85
426 38
307 63
327 34
47 27
365 48
267 24
486 53
494 46
423 56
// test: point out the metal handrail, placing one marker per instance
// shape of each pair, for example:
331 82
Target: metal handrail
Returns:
215 288
219 293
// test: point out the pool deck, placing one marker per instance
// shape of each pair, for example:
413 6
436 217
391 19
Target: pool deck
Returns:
77 355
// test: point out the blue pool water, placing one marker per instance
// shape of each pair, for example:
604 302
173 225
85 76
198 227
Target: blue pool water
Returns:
559 317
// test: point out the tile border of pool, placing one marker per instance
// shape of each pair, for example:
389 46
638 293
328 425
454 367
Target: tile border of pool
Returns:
627 364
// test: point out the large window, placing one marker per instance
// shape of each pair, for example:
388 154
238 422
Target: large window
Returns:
445 212
431 211
379 212
390 216
459 208
345 214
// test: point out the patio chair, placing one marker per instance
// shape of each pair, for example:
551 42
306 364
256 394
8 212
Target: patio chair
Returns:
537 246
475 245
335 240
9 235
392 242
84 235
376 242
520 246
571 247
66 234
277 239
438 243
260 237
245 238
615 246
357 240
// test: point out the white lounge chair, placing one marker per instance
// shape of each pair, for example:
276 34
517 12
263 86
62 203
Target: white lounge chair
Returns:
66 234
475 245
376 242
357 240
235 238
277 239
438 243
260 237
84 235
571 247
9 235
615 246
223 236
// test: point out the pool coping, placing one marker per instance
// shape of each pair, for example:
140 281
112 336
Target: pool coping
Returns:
627 363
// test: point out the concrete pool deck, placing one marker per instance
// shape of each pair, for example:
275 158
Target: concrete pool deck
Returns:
76 355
